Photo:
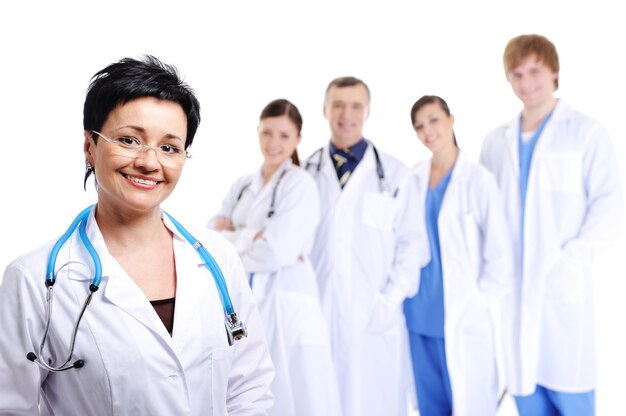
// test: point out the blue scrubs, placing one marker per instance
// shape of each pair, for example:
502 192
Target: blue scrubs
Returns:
425 320
545 402
526 149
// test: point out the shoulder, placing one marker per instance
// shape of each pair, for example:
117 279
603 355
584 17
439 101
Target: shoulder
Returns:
576 120
213 241
29 266
242 181
316 155
298 174
495 135
420 166
478 176
392 164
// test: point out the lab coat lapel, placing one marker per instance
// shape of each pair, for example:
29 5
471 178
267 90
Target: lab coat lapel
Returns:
192 286
119 288
511 135
360 173
330 175
262 194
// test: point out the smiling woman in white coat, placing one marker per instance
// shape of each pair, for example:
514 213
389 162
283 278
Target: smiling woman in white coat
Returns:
559 178
451 328
137 326
271 216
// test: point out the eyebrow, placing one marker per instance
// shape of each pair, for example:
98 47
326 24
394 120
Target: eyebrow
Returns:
143 131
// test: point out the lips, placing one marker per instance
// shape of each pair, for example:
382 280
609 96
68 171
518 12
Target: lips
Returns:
141 181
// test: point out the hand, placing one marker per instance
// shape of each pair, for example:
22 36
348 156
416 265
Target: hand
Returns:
224 224
257 235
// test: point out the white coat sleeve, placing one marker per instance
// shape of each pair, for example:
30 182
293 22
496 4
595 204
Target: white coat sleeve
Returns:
605 204
290 230
411 244
496 275
251 371
21 319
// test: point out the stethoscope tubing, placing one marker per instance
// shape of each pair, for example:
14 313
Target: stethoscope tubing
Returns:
236 327
211 264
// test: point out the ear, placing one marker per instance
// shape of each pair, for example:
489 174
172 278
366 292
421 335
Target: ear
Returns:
298 140
89 148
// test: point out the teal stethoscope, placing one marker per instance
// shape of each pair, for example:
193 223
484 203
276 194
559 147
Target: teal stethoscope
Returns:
235 329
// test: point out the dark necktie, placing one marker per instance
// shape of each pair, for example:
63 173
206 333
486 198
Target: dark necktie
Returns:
344 163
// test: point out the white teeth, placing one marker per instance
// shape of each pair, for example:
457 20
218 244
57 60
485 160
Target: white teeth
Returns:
141 181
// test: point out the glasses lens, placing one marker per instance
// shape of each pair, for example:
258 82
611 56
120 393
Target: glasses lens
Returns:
167 154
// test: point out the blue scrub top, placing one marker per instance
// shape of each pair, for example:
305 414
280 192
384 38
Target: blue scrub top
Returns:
425 311
526 149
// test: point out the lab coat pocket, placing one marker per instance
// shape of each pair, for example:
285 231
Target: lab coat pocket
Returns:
378 211
566 280
561 172
221 361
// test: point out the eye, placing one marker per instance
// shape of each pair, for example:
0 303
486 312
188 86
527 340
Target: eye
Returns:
169 149
128 141
418 127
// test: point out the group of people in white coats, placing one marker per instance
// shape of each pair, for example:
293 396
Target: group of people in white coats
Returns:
332 288
389 269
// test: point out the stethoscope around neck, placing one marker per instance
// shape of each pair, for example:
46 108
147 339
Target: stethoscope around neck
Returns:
271 211
235 329
383 184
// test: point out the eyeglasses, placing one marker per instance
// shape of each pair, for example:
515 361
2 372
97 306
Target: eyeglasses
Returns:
130 146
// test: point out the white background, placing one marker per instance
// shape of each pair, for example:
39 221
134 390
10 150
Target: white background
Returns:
239 55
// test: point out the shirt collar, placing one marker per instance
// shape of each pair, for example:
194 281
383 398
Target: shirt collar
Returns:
354 152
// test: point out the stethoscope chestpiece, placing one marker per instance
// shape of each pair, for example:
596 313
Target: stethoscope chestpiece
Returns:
235 329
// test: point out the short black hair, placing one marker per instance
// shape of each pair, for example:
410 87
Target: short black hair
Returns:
130 79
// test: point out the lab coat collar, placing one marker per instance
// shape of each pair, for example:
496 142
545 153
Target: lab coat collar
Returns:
461 171
192 287
561 111
358 174
118 288
257 178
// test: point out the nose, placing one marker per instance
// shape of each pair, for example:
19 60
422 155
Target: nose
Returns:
148 157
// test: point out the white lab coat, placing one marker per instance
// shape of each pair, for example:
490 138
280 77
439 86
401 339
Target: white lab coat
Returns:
284 285
573 206
477 263
132 364
367 255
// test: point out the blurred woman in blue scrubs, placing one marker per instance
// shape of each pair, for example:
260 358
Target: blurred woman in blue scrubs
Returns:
451 330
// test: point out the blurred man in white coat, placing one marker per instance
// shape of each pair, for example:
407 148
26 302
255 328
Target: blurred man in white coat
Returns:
368 252
557 171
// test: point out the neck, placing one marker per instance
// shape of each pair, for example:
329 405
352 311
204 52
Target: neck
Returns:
129 230
344 143
532 116
267 171
444 160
